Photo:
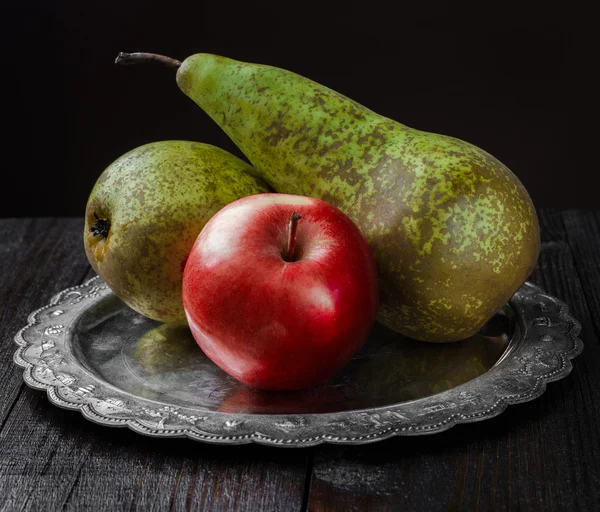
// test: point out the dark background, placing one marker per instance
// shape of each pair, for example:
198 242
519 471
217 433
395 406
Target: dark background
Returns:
511 80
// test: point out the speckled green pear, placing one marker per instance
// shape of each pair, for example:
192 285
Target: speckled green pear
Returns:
146 211
453 230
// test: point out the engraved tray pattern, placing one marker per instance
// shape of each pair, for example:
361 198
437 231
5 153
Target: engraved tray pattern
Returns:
544 342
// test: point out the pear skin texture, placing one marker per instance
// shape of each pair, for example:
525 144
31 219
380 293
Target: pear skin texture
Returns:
453 230
157 198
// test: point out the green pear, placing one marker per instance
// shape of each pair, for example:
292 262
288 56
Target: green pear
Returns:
146 211
453 230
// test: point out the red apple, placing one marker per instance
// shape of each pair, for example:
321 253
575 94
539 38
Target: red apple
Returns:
280 291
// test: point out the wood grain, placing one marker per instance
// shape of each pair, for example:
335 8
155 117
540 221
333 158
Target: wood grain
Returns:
147 475
51 459
583 234
56 460
38 258
541 455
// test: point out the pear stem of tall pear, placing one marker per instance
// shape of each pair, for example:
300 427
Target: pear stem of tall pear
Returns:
126 59
293 227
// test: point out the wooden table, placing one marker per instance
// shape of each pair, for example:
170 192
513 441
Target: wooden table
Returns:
542 455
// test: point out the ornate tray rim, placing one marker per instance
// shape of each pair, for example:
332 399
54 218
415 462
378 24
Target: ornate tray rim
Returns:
549 340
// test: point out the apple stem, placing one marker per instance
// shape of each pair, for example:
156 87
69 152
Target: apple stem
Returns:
126 59
100 227
293 227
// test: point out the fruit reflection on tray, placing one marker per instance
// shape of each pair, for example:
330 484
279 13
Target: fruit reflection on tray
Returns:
155 361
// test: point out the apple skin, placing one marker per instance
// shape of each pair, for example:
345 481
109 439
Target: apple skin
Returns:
272 323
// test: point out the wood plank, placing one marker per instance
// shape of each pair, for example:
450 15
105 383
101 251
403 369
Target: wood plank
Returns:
133 473
53 459
583 229
541 455
38 258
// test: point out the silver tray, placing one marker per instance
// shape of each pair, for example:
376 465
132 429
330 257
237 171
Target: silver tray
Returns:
92 353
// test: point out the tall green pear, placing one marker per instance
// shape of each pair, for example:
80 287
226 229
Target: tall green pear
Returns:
453 230
146 211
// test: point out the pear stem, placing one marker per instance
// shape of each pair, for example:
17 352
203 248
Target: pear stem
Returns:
127 59
293 227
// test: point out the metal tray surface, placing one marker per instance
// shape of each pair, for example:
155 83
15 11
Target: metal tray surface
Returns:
92 353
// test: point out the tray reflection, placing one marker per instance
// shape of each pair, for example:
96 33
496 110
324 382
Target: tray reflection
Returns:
163 362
